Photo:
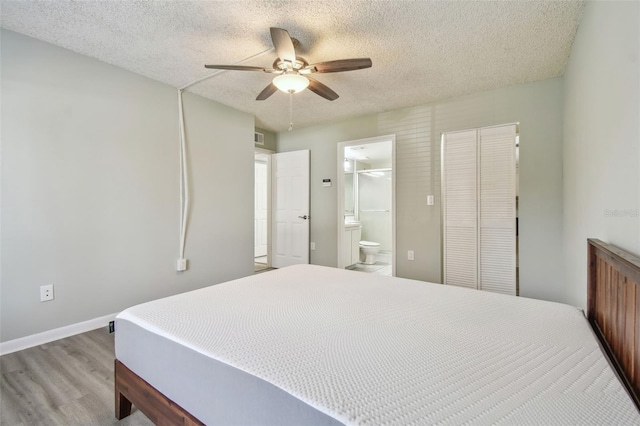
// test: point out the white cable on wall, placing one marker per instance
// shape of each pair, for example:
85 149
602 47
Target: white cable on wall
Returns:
184 182
184 187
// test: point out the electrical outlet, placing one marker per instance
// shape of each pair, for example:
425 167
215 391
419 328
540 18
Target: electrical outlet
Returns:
430 200
411 255
46 293
313 245
181 265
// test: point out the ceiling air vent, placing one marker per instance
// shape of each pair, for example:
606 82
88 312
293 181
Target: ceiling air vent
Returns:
258 138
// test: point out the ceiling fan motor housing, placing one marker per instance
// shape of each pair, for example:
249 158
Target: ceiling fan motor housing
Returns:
283 65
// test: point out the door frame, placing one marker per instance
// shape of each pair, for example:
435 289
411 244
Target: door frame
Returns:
268 153
340 190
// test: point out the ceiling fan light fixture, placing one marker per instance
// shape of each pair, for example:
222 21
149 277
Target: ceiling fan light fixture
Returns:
291 83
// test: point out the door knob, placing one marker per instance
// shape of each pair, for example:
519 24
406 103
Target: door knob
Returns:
305 217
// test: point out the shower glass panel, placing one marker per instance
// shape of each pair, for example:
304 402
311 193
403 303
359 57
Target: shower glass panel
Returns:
348 194
374 206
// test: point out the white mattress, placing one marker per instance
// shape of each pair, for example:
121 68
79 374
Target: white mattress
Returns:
364 349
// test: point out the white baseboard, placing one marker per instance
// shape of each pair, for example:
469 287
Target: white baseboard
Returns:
55 334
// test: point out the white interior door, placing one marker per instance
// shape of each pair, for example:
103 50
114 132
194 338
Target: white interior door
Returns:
459 157
479 208
260 225
290 203
497 209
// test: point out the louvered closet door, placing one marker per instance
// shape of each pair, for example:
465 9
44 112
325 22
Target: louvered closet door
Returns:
497 219
460 209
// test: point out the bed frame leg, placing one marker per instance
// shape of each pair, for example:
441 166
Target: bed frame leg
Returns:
123 406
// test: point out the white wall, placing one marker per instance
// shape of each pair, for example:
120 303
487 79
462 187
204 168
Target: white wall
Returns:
601 137
90 189
538 108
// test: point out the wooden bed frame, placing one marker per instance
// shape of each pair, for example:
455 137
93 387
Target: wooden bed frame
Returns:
613 310
130 388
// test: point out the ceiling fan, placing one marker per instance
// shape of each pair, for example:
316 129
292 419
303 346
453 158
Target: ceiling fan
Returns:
293 71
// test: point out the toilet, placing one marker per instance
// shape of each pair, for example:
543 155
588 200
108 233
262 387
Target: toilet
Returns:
369 250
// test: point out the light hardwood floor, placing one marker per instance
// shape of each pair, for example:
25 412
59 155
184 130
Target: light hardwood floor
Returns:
66 382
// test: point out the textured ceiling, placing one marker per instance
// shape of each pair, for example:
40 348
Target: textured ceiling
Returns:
421 51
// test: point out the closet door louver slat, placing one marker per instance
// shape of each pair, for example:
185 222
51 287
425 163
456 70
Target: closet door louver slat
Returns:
460 209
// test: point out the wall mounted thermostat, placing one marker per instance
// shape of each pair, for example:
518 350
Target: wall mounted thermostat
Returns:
326 182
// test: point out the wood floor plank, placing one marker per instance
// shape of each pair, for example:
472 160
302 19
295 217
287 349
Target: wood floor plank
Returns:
11 362
66 382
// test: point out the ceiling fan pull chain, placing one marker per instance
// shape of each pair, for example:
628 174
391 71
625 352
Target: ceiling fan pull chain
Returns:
290 111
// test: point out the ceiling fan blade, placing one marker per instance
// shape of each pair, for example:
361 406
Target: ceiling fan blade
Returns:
341 65
320 89
283 44
235 68
266 92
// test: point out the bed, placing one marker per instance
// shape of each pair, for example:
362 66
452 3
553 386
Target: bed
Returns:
310 345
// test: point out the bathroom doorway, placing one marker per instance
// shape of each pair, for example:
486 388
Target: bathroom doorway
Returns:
366 205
